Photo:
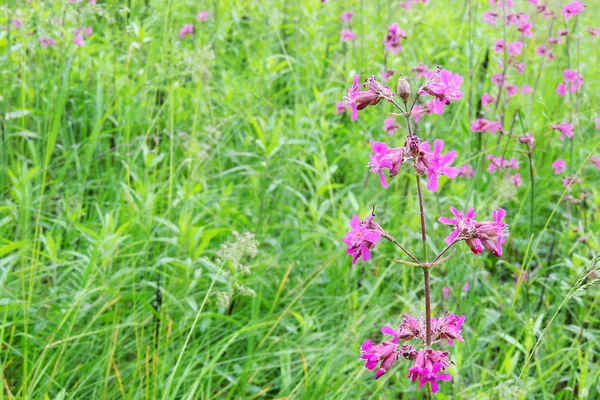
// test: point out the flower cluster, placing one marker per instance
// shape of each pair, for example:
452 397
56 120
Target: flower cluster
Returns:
392 40
572 80
363 236
444 86
359 100
489 234
565 129
188 29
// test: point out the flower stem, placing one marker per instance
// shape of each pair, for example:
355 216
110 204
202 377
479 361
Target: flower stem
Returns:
425 270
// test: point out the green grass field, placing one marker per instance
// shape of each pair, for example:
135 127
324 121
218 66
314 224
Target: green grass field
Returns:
173 209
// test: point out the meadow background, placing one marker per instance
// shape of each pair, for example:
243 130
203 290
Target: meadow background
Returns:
128 165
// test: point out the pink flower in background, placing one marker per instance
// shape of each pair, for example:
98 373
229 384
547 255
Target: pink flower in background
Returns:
565 129
500 3
347 35
390 126
561 89
187 29
593 31
363 236
432 377
346 16
520 67
573 9
596 161
466 171
571 179
511 90
525 28
553 40
406 4
445 87
486 100
551 56
387 74
392 40
47 41
516 180
436 164
16 23
528 138
446 292
493 233
385 157
514 49
597 122
559 166
490 17
418 111
521 276
447 327
359 100
463 223
421 70
340 107
202 16
541 50
80 33
466 287
498 79
499 46
574 78
497 163
526 89
483 125
563 32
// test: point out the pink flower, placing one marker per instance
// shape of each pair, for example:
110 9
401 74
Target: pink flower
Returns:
541 50
500 3
358 100
346 16
553 40
78 40
565 129
384 157
432 377
559 166
570 179
574 78
447 328
511 90
551 56
385 354
347 35
410 328
573 9
593 31
392 40
490 17
521 275
418 111
499 46
525 28
92 1
520 67
563 32
387 74
202 16
526 89
390 126
363 236
446 292
421 70
561 89
463 223
16 23
406 4
500 163
186 30
528 138
492 234
597 122
340 107
445 87
486 100
516 180
596 161
46 41
466 287
514 49
498 79
436 163
483 125
466 171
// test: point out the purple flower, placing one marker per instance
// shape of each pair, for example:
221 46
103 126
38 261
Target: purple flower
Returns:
511 90
565 129
448 328
186 30
463 224
486 100
346 16
445 87
436 163
466 171
363 237
573 9
340 107
359 100
384 354
446 292
347 35
596 161
390 126
526 89
421 70
392 40
410 328
528 138
202 16
559 166
466 287
483 125
516 180
574 78
47 41
490 17
432 377
385 157
492 234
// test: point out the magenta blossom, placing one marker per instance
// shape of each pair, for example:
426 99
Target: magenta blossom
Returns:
573 9
347 35
511 90
446 292
490 17
574 78
390 126
516 180
392 40
483 125
501 163
596 161
387 74
593 31
492 234
528 138
466 171
202 16
448 327
526 89
362 238
463 223
445 86
340 107
466 287
47 41
384 157
432 377
486 100
187 29
421 70
346 16
384 354
559 166
565 129
359 100
436 164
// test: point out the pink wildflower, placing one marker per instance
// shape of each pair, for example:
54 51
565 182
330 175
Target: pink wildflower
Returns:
565 129
390 126
559 166
501 3
561 89
499 46
16 23
511 90
596 161
387 74
498 79
421 70
406 4
446 292
514 49
541 50
593 31
445 87
563 32
553 40
520 67
526 89
432 377
384 157
490 17
392 40
573 9
466 287
486 100
187 29
466 171
363 237
574 78
359 100
528 138
346 16
202 16
525 28
483 125
384 354
516 180
436 163
347 35
46 41
340 107
597 122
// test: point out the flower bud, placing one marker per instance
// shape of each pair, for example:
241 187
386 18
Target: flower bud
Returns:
403 89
